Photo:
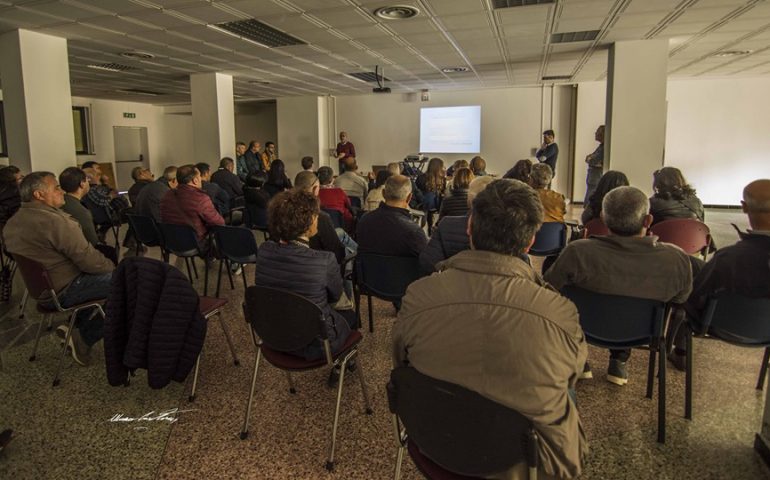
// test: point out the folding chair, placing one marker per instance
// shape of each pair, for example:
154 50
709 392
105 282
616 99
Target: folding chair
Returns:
454 433
283 322
182 241
337 219
384 277
692 236
549 240
256 219
235 245
146 233
595 228
104 218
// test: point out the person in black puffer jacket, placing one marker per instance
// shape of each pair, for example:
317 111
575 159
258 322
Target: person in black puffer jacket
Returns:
287 262
673 198
456 203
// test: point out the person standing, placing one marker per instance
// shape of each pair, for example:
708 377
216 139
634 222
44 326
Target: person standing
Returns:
344 150
595 163
549 151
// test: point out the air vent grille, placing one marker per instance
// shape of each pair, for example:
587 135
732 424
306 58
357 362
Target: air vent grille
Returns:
139 91
261 33
568 37
368 76
556 78
519 3
112 67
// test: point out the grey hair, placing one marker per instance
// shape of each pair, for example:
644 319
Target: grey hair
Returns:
624 210
541 175
477 185
170 173
33 182
397 187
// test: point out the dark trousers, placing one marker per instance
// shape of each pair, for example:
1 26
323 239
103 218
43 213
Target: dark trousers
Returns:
83 289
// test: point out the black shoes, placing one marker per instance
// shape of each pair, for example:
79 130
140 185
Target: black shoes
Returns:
616 372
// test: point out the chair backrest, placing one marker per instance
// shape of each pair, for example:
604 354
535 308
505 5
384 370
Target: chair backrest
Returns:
615 320
355 202
337 219
255 217
550 239
283 320
179 239
738 319
145 229
102 215
385 276
457 428
595 227
689 234
35 276
236 243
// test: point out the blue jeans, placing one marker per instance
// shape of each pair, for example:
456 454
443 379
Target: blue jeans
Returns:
351 247
84 288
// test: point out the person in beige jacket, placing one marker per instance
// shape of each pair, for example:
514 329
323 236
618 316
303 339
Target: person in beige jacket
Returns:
488 322
42 232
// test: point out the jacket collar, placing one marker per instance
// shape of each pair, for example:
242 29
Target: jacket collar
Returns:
387 208
491 263
40 206
628 243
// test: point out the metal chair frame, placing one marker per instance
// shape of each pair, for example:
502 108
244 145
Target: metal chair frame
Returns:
207 315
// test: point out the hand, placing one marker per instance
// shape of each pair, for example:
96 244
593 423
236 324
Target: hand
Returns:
543 146
340 155
589 158
370 175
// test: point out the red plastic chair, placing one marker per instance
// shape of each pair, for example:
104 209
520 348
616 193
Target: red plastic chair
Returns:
595 228
692 236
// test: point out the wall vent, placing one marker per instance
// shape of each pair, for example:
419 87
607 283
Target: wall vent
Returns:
568 37
139 91
556 78
112 67
368 76
261 33
519 3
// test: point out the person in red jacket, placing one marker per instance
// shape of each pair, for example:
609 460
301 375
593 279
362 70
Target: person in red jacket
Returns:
189 204
333 198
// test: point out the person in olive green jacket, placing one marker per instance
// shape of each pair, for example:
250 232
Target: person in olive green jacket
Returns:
488 322
75 185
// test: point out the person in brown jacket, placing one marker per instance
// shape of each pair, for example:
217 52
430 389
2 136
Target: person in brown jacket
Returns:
488 322
189 204
626 262
42 232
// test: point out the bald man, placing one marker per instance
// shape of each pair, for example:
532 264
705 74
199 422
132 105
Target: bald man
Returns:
742 268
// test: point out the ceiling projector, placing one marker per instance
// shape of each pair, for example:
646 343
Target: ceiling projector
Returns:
381 90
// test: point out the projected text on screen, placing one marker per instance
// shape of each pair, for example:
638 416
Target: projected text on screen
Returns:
450 129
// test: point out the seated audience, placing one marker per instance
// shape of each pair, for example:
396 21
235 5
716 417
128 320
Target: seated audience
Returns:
451 234
287 262
353 184
142 177
627 262
458 164
520 171
277 181
98 194
434 179
375 197
334 198
218 196
554 205
673 198
742 268
241 169
307 164
268 156
488 322
609 181
75 185
228 180
389 230
456 203
188 204
327 238
252 159
148 200
99 178
256 198
79 273
10 201
478 166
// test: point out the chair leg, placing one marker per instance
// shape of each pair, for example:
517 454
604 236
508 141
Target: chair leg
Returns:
243 274
357 297
64 348
371 316
364 389
651 373
399 461
230 274
23 304
195 269
343 367
229 340
219 277
292 389
49 327
37 339
245 428
763 369
688 379
662 391
191 398
206 264
189 272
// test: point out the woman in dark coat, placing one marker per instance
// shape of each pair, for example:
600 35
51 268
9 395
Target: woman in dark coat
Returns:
287 262
277 181
456 203
673 198
609 181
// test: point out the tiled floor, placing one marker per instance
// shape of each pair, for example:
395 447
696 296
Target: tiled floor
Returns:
67 433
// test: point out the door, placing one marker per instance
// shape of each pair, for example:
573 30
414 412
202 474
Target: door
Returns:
131 151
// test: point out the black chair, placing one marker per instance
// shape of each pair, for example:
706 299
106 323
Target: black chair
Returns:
182 241
104 218
256 219
355 202
454 433
550 239
235 245
337 219
735 319
283 322
617 322
384 277
146 233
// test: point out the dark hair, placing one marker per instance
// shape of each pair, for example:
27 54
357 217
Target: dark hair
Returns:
252 143
382 177
506 215
668 183
240 143
325 175
290 214
225 162
71 178
256 179
89 164
268 143
478 166
462 178
521 171
609 181
186 173
434 177
203 167
8 175
277 174
32 182
549 132
306 162
135 172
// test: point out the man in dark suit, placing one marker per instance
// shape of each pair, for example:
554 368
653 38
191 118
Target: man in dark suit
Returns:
228 180
549 151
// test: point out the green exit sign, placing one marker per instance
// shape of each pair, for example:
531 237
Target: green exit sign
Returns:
129 115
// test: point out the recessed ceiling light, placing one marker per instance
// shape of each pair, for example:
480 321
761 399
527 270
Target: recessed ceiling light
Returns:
731 53
138 55
455 69
397 12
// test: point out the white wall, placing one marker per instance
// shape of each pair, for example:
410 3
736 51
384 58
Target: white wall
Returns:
257 122
591 101
298 130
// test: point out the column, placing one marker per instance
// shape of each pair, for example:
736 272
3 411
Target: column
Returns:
635 133
37 101
213 117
